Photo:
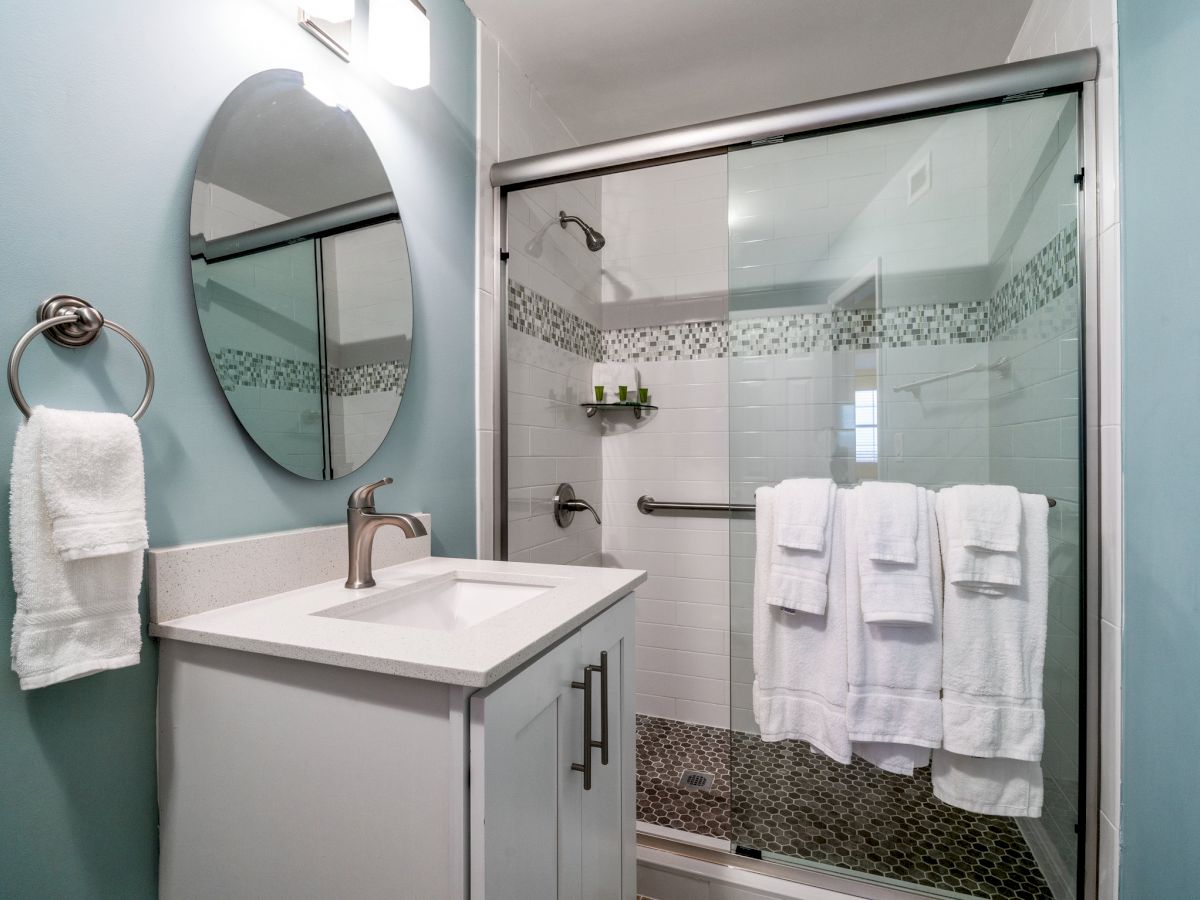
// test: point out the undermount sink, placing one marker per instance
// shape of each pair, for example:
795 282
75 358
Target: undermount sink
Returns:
450 602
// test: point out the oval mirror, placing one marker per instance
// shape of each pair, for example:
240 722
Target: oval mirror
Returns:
301 275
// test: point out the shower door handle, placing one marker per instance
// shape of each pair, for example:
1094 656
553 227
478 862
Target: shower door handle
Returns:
588 744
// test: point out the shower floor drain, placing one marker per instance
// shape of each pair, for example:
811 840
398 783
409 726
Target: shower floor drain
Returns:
694 780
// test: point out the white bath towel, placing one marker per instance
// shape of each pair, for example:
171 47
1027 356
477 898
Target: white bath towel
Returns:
994 653
612 375
983 523
77 608
896 593
899 759
802 507
894 671
993 787
800 658
888 521
799 580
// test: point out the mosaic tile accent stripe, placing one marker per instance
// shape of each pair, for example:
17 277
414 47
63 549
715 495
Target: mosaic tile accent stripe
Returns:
1053 270
796 333
369 378
542 318
685 340
784 798
244 368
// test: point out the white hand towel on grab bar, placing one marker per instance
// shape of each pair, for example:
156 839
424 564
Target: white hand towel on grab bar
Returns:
800 577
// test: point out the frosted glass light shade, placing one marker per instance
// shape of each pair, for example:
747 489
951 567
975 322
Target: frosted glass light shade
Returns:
329 10
398 43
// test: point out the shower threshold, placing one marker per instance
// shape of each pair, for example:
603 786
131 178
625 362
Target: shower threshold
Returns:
795 811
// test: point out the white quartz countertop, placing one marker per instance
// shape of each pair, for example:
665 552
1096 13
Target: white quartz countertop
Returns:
297 625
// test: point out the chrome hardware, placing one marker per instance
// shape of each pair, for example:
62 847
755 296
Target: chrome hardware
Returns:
588 744
361 524
566 505
72 322
648 506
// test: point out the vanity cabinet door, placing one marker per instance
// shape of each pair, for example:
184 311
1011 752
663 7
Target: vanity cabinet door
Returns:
609 813
525 798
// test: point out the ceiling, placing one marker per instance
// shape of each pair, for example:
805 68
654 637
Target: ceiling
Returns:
621 67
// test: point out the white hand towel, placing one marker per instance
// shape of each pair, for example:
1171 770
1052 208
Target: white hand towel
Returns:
888 522
800 658
76 611
994 653
983 520
93 482
799 580
993 787
895 593
612 375
802 508
895 671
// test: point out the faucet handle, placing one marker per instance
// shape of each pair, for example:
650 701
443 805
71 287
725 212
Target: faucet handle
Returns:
364 497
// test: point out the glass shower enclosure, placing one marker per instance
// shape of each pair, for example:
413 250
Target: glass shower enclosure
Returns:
905 305
899 301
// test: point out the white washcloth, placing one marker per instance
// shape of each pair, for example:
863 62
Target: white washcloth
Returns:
802 508
983 522
989 516
888 522
799 579
895 593
77 608
800 658
993 787
899 759
895 671
612 375
994 653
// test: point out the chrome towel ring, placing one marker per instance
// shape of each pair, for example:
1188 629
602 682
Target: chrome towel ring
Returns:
72 322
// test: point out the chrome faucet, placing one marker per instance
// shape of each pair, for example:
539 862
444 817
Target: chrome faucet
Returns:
361 524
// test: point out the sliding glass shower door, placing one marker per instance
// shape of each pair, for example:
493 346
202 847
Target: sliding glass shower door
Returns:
905 305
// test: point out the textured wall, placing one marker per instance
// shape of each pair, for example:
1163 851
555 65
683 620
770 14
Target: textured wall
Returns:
106 110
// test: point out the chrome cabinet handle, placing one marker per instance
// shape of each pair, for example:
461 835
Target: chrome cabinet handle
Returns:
588 744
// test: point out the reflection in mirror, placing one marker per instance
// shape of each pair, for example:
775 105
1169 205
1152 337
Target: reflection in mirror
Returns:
301 275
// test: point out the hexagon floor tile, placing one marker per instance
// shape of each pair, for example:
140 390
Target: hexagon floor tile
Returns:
785 798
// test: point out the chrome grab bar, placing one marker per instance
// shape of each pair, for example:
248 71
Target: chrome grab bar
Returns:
647 505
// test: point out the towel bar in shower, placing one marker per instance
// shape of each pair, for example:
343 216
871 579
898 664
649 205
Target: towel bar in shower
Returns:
647 505
72 322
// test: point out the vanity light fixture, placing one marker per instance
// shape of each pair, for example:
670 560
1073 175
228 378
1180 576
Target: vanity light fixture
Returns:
398 42
329 21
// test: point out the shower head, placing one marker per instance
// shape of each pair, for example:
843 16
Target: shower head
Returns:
595 240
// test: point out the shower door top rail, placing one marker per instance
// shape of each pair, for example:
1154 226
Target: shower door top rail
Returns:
1016 79
648 506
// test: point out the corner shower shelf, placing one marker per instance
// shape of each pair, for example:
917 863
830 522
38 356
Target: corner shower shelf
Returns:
593 408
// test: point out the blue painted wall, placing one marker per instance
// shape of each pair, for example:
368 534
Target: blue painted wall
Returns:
1160 159
104 107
